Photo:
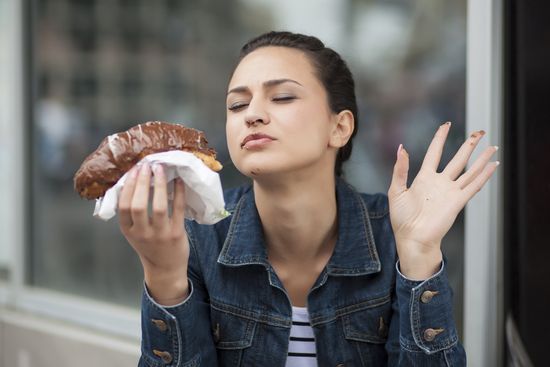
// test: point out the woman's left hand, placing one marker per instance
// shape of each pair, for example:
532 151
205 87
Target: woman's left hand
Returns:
422 214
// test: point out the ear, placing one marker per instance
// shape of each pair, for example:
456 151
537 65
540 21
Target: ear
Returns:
342 129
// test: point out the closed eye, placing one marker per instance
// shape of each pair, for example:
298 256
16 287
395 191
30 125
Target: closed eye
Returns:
283 98
237 106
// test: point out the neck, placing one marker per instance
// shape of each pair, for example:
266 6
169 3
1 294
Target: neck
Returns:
299 216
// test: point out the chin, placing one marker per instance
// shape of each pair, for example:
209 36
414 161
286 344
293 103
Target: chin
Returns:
260 165
256 171
253 165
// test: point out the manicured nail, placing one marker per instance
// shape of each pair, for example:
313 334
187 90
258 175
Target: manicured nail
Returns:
399 150
145 168
157 168
133 172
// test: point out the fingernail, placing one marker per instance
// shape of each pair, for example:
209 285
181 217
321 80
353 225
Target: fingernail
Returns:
446 123
145 168
157 168
496 147
399 150
133 172
497 163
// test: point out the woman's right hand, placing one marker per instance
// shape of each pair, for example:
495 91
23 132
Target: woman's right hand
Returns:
160 240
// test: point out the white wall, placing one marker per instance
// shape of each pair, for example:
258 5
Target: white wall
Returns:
30 341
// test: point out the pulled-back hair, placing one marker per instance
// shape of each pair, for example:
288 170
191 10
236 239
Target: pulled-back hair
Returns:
331 70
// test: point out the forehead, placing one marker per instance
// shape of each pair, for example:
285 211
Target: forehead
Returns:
268 63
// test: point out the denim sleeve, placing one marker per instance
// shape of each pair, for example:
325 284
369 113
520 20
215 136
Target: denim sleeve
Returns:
178 335
422 329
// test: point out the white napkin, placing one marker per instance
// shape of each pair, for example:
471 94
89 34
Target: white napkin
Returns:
203 189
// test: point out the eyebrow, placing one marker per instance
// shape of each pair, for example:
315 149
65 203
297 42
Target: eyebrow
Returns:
266 84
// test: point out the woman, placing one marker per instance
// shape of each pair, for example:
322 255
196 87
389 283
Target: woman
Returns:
305 271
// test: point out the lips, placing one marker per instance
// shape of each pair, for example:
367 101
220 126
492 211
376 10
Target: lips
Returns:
256 136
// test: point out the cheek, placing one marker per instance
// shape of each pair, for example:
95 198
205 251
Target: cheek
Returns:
309 132
304 144
232 134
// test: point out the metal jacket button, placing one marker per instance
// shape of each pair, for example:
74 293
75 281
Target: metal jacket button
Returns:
430 334
165 356
427 296
161 325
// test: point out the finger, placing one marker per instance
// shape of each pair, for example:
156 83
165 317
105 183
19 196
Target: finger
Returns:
178 213
476 168
459 161
475 186
140 200
433 155
125 200
160 198
400 172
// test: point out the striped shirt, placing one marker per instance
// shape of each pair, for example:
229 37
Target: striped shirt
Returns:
301 349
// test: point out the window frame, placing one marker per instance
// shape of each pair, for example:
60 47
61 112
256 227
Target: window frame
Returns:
483 276
482 238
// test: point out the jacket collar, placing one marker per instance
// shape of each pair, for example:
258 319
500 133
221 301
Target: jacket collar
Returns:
355 252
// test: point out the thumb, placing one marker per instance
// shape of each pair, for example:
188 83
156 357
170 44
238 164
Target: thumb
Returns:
400 172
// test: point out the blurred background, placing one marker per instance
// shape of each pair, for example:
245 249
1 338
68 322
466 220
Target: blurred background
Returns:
99 67
74 71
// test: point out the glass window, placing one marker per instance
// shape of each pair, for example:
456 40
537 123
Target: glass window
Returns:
102 66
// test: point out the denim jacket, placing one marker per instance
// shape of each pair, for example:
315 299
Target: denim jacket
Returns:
362 310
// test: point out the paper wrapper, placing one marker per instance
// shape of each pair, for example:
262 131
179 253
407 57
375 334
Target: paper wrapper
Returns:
203 189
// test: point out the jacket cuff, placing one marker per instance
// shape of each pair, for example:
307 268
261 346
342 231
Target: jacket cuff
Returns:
163 342
426 314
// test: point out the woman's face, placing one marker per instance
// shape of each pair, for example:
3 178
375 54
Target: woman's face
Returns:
278 117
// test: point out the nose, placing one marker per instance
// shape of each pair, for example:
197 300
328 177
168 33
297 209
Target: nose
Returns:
253 120
255 113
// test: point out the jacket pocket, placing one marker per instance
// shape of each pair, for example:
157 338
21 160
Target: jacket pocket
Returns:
233 331
366 329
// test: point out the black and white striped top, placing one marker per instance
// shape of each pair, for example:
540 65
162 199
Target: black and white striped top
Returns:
301 350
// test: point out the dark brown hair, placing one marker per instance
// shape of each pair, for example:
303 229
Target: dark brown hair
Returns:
331 70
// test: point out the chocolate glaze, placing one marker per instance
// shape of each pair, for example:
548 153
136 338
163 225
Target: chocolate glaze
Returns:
119 152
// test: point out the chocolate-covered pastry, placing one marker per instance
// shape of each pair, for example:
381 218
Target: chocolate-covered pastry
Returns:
119 152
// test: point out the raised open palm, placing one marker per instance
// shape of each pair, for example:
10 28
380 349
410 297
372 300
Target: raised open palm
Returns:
423 213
